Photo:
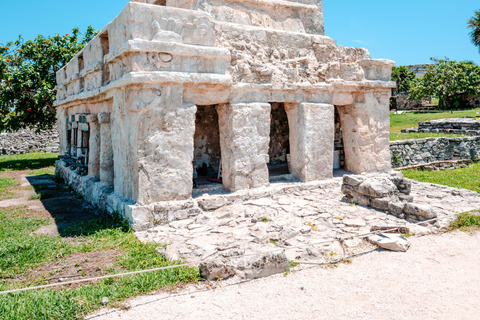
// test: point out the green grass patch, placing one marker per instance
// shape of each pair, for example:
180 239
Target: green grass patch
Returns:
6 185
29 161
395 136
466 221
42 172
42 195
467 178
411 119
22 251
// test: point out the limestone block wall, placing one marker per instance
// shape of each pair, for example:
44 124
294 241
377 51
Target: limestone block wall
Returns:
420 151
26 140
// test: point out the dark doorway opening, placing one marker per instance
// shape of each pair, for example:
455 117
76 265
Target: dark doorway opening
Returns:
279 147
206 149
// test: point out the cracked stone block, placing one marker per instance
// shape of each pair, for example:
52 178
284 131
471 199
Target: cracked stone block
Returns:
262 265
353 180
380 203
377 188
421 210
215 270
396 207
405 198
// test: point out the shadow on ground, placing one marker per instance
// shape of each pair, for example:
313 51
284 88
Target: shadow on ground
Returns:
72 215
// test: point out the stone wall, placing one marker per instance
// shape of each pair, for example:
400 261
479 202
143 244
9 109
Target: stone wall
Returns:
401 102
420 151
25 141
462 124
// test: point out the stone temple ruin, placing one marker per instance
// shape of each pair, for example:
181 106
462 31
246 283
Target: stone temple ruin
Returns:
176 93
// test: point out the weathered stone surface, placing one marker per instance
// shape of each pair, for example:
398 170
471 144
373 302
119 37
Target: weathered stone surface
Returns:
262 265
396 207
422 210
216 270
390 242
353 180
380 204
377 188
354 222
311 136
212 203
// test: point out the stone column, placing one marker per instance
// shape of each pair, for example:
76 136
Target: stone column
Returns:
365 127
73 141
106 149
94 147
78 143
244 139
166 152
312 130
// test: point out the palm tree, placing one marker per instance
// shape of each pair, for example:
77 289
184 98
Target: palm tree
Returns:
474 23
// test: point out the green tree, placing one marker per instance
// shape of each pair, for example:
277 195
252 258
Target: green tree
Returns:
452 82
27 77
474 24
403 77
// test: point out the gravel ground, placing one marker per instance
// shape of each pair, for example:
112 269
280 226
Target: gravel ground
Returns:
438 278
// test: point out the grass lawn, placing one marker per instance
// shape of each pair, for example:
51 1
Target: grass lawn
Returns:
411 119
28 161
6 185
394 136
97 245
467 178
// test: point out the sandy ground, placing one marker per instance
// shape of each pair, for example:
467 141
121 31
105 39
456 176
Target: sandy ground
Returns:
438 278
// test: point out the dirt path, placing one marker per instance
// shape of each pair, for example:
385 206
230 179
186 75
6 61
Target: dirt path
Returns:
438 278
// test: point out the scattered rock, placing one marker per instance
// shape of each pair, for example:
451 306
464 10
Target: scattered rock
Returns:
216 270
262 265
104 301
210 204
390 242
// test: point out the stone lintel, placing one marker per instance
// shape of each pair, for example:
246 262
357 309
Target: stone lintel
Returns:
93 117
104 117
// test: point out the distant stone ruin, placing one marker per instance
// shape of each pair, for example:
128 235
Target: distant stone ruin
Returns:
173 94
27 140
467 126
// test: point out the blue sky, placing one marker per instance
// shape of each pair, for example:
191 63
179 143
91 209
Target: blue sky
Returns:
407 31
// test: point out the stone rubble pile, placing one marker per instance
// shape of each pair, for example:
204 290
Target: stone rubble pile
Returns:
27 140
295 218
386 192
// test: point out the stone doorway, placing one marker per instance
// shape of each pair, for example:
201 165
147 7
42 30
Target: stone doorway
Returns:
279 147
206 149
